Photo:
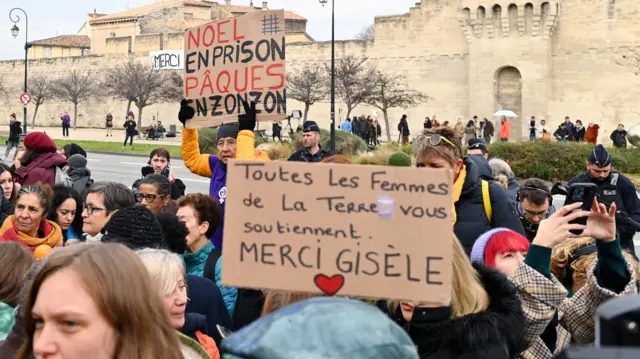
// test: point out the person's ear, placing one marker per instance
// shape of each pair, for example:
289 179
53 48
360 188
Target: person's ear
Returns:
458 167
166 200
486 156
204 227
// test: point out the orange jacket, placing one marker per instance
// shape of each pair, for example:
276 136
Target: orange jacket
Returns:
591 135
505 130
208 344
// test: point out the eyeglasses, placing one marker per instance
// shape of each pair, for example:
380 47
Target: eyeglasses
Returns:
90 209
149 197
532 214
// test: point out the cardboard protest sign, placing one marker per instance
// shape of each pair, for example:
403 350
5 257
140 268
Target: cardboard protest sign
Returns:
233 62
351 230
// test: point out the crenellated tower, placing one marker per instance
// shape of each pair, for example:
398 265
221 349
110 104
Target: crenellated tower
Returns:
509 56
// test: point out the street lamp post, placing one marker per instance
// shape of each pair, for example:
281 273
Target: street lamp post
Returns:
333 74
14 31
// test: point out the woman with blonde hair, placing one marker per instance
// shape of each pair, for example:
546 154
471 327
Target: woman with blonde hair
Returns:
167 273
104 318
479 206
484 319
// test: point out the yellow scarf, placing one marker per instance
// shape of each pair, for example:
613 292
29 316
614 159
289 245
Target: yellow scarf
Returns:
457 190
52 234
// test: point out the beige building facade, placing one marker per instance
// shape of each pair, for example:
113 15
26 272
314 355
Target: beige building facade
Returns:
547 59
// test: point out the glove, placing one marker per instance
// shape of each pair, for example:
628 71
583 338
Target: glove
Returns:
248 121
186 112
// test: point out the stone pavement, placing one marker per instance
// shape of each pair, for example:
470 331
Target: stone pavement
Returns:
97 134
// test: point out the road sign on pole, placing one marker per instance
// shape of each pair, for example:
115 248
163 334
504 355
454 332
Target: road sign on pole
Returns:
25 98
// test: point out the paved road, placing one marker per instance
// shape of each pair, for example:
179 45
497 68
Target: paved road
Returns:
126 169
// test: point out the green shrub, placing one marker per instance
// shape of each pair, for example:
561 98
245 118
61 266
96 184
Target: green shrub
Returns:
280 150
347 144
554 160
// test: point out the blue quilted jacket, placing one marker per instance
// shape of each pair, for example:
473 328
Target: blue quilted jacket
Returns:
195 263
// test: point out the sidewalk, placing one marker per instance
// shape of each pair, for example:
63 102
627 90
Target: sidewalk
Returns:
99 135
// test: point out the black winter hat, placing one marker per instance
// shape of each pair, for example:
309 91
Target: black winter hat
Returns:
227 130
135 227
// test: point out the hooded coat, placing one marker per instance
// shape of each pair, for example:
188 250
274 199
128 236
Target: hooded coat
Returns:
591 134
472 220
495 333
41 169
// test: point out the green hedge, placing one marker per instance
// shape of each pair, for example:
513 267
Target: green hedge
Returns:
557 161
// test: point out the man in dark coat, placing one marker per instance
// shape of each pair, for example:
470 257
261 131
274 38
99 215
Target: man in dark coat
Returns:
312 151
472 219
613 187
403 128
488 130
477 152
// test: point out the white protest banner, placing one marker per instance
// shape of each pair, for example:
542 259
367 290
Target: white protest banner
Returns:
167 59
352 230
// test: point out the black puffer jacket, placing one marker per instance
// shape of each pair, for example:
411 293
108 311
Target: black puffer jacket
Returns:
472 219
496 333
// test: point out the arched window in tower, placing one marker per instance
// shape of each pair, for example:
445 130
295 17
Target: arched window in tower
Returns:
496 14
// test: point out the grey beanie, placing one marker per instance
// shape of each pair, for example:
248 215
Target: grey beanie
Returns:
77 161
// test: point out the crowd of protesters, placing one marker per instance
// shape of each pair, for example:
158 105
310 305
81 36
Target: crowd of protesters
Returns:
102 270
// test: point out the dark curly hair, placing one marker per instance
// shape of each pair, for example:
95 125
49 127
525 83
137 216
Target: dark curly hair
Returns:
207 210
174 232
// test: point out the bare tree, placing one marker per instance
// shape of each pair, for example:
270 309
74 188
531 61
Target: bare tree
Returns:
173 90
140 84
368 33
391 91
41 90
353 80
75 87
307 85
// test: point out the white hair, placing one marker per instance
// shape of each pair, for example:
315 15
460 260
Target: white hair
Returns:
163 267
501 167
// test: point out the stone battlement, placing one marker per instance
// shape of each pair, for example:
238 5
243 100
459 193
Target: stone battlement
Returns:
508 19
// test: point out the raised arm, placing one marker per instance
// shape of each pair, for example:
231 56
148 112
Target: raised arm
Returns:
196 162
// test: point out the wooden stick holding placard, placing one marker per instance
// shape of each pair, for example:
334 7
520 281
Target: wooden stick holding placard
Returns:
233 62
352 230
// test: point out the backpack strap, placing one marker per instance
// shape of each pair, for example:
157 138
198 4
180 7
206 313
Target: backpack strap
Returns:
210 265
486 198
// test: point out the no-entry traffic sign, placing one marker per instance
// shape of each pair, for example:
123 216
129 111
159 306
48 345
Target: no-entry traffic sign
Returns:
25 98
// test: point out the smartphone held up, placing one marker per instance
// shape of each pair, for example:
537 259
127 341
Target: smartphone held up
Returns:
583 193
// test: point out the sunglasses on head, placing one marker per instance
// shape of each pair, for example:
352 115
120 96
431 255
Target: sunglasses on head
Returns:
435 140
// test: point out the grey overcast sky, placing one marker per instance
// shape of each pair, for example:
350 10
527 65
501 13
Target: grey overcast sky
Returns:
48 18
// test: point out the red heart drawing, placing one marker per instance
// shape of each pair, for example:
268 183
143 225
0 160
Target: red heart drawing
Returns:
329 285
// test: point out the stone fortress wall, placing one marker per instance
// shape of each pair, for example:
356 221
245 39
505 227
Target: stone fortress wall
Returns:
539 58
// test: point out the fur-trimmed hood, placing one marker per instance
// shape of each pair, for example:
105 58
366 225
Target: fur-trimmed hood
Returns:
488 334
